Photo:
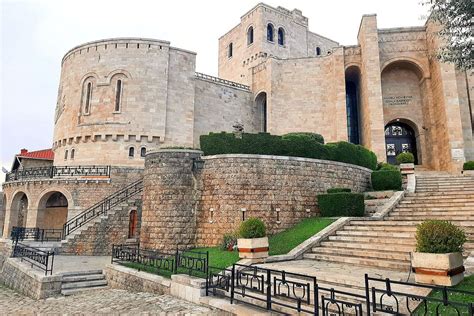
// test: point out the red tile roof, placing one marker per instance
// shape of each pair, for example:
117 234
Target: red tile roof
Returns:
45 154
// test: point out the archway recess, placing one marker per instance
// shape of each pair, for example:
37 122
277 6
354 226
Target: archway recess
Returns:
261 103
52 210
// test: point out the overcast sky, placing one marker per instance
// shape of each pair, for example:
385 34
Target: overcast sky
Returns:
35 34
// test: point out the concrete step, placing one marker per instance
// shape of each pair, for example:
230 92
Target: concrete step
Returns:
404 222
68 292
443 195
421 212
83 284
374 254
382 234
379 241
367 246
414 217
81 273
381 228
360 261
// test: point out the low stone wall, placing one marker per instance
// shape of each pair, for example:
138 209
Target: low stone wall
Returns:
119 277
32 283
279 190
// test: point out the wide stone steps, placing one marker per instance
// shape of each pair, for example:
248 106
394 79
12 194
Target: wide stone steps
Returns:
374 240
411 229
74 282
381 234
451 218
434 213
442 190
441 195
361 261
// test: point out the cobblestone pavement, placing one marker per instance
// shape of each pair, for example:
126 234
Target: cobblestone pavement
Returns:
105 302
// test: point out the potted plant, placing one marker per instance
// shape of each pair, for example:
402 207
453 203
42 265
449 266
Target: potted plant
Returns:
468 168
438 258
229 242
406 162
253 242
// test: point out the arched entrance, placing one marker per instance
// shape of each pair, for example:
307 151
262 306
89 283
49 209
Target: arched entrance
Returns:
261 102
399 137
52 211
352 76
132 224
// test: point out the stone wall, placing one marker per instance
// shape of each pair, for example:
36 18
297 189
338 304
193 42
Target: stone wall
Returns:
186 206
119 277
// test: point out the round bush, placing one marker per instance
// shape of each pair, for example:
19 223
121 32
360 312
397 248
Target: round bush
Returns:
252 228
386 180
302 135
386 166
338 190
405 158
341 204
468 165
435 236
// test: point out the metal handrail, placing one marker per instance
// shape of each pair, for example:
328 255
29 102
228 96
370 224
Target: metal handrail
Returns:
102 207
57 171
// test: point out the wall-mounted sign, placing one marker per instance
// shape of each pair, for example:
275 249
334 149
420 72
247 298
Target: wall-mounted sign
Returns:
397 100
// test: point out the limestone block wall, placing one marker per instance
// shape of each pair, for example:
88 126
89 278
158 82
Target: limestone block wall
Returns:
279 190
218 107
170 195
119 277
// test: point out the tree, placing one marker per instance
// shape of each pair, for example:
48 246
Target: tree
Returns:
456 18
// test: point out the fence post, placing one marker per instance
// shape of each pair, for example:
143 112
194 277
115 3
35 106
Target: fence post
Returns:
316 297
232 284
176 258
269 289
367 294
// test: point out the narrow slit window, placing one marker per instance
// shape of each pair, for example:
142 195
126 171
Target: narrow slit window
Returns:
131 152
270 32
87 106
142 152
73 152
229 51
118 95
281 36
318 51
65 154
250 36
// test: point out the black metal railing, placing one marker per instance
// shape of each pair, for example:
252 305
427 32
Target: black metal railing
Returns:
282 291
43 260
58 171
102 207
221 81
189 262
36 234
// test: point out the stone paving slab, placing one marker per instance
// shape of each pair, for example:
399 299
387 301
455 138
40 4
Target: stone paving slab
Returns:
100 302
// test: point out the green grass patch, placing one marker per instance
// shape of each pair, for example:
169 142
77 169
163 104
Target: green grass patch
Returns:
283 242
466 285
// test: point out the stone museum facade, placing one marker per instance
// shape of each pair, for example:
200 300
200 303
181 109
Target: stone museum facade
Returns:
121 99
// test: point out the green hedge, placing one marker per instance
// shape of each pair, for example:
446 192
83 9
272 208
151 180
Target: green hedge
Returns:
436 236
386 180
294 144
338 190
252 228
405 158
341 204
468 165
386 166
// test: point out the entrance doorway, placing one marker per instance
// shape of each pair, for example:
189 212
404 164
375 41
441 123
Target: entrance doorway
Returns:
132 224
399 137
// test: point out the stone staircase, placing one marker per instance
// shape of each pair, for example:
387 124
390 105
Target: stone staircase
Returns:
74 282
387 243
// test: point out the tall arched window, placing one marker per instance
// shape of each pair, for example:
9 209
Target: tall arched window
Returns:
229 50
261 102
118 95
250 35
65 154
142 152
131 152
270 31
87 99
281 36
318 51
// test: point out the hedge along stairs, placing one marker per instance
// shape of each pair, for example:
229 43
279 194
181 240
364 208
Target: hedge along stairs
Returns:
387 243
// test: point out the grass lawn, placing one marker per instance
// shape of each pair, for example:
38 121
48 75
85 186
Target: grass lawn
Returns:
466 285
280 244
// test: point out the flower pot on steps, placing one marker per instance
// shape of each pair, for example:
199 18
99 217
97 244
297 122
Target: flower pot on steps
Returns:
438 268
253 248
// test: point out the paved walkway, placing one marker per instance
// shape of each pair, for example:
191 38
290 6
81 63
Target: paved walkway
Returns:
108 301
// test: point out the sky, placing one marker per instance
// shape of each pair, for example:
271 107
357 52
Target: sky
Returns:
35 34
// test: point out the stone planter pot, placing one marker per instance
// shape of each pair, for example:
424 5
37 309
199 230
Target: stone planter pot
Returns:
407 168
253 248
468 173
438 268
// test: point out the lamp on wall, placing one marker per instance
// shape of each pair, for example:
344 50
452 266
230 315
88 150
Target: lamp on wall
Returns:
197 164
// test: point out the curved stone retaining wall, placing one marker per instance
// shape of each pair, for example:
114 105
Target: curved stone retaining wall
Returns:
188 204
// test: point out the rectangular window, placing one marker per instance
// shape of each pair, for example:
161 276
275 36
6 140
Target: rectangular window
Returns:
118 95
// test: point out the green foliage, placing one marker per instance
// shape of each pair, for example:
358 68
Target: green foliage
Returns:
386 180
338 190
468 165
341 204
434 308
405 158
229 241
252 228
435 236
285 241
308 136
179 147
455 18
386 166
299 145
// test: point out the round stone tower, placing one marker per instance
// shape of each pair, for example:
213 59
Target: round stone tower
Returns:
113 101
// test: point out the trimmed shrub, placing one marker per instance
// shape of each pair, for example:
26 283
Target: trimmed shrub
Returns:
252 228
386 166
294 144
338 190
229 241
468 165
435 236
341 204
386 180
310 136
405 158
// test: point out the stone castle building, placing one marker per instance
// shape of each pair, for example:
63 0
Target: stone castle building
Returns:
121 98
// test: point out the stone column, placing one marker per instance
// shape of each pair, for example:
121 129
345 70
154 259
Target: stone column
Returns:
170 194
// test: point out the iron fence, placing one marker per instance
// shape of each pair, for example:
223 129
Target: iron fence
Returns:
282 291
36 234
43 260
58 171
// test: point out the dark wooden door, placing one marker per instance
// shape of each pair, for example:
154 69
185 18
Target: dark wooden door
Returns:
399 138
132 224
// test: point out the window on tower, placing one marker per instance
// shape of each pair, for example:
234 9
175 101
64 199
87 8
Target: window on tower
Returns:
318 51
281 36
250 35
229 50
87 97
118 95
